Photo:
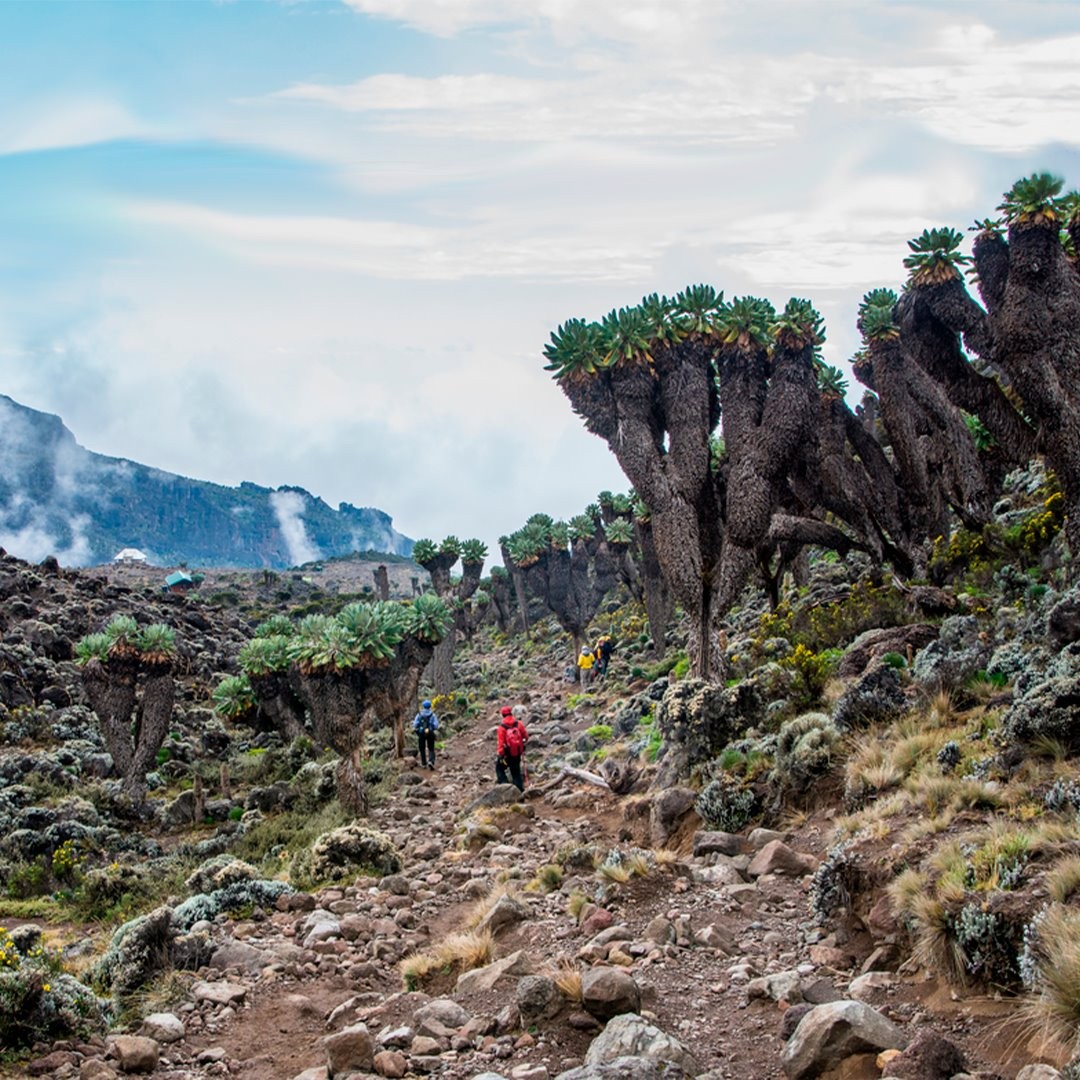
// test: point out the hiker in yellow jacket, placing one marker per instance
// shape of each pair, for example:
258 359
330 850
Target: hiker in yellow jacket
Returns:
586 663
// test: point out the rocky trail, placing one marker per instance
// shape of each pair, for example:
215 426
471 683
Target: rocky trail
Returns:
689 953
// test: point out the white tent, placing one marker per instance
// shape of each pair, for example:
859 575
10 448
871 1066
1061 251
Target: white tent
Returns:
130 555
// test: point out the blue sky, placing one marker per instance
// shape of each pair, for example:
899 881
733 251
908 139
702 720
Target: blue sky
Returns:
323 243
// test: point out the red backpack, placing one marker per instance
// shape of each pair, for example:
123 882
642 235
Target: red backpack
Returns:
513 740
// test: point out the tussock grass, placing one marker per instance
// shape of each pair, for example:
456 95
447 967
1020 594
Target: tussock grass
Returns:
1055 1009
453 955
935 947
1063 878
665 857
905 889
616 873
484 905
575 904
942 710
568 979
1045 746
548 879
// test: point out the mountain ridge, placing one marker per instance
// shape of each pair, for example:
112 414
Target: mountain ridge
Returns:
59 498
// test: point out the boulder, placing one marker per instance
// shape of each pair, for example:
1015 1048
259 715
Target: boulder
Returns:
960 651
506 912
485 978
391 1063
873 644
538 998
608 992
218 993
238 954
1038 1072
667 810
626 1068
715 842
134 1053
829 1033
876 696
927 1057
163 1027
777 858
444 1011
349 1050
631 1036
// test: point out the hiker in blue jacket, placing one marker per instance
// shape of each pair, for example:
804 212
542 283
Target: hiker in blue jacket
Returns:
425 724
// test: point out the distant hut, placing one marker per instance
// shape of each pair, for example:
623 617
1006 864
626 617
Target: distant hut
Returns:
130 555
179 582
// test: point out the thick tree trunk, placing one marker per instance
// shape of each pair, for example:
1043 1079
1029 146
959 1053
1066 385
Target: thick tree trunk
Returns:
151 726
382 583
442 665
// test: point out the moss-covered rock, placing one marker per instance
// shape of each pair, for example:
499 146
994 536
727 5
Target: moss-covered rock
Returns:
346 852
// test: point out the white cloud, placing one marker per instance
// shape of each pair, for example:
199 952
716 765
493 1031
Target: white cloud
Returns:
408 92
52 125
288 507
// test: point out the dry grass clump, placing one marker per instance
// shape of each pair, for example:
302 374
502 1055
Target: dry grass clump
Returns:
1055 1009
453 955
665 857
548 879
483 906
1063 878
616 873
568 979
575 904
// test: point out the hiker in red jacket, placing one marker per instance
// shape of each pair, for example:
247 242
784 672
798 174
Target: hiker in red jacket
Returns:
511 744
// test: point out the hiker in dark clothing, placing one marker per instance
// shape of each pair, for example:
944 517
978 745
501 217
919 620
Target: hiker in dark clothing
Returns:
425 724
512 738
604 648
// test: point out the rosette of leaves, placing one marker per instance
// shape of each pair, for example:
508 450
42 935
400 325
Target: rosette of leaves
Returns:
582 527
621 504
934 257
123 634
1033 200
559 536
428 618
798 325
875 320
481 598
698 310
374 629
619 532
661 318
157 643
831 381
473 552
641 510
527 544
424 551
576 350
745 322
330 648
451 546
626 336
92 647
233 697
262 655
275 626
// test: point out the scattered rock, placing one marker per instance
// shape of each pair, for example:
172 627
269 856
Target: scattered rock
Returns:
134 1053
349 1050
163 1027
777 858
927 1057
631 1036
608 992
485 978
538 998
829 1033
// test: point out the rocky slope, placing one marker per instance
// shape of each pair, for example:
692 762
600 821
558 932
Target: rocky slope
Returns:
466 931
57 498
